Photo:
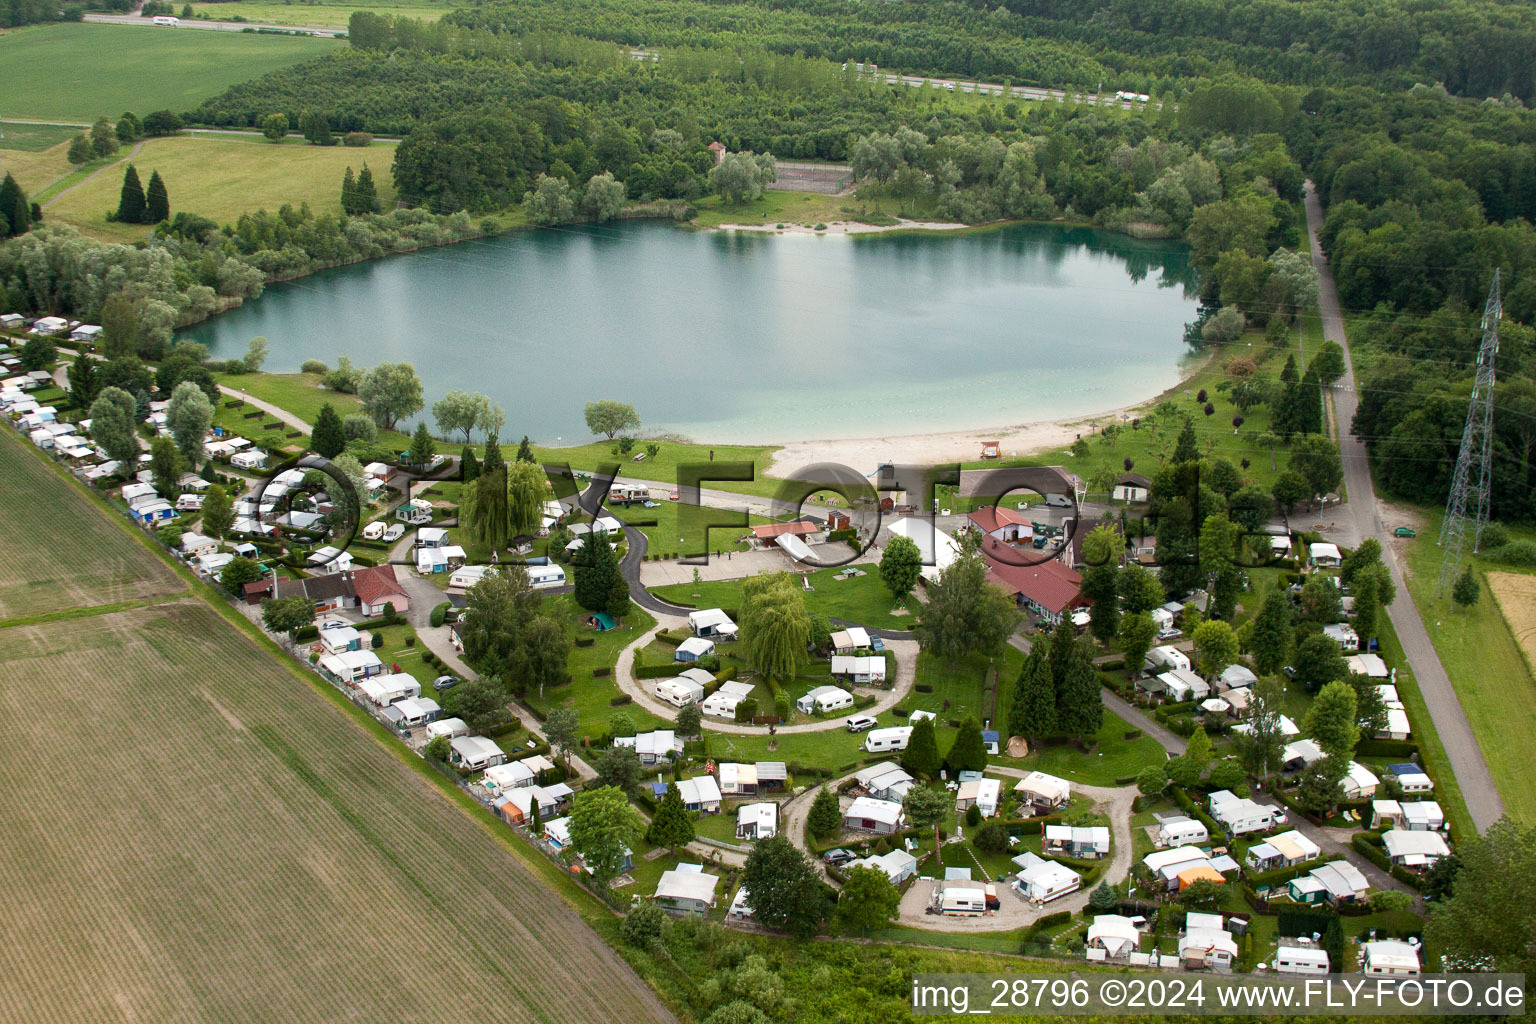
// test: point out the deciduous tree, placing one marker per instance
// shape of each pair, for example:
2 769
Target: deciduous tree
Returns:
114 418
610 417
1216 646
189 414
775 628
218 513
868 900
287 614
390 392
603 828
786 892
1331 720
901 565
1269 641
1136 636
1466 590
965 613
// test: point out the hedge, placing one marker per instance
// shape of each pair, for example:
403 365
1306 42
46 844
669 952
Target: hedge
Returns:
585 641
306 633
669 639
621 700
1387 748
989 694
439 614
1291 923
659 671
924 687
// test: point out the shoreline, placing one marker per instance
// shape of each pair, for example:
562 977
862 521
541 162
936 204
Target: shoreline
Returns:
846 227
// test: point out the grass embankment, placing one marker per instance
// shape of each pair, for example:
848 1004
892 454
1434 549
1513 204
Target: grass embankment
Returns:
34 138
1482 656
58 71
222 177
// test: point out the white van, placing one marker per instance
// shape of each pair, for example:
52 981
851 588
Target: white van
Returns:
168 22
861 723
1058 501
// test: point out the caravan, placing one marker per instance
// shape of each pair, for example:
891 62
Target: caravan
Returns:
546 577
824 699
893 738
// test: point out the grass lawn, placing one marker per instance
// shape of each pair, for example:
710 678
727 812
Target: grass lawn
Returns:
1116 757
775 207
957 687
588 695
1477 647
315 13
221 178
1149 446
79 72
395 652
34 138
862 599
667 524
663 466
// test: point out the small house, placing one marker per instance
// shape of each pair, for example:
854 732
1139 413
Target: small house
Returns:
49 325
195 544
1342 882
824 699
1391 958
1306 890
687 889
1291 959
879 741
866 670
1323 555
1359 782
1044 792
377 587
476 753
1001 524
737 779
416 512
338 637
1090 843
684 689
983 794
1182 685
652 747
449 727
431 537
722 703
846 641
1235 676
507 776
1131 487
352 666
1413 849
1239 815
85 332
1343 634
885 781
700 794
388 688
383 472
1111 937
1264 857
1182 832
1206 944
898 865
692 649
1297 755
253 459
1397 726
1044 880
712 623
870 815
1294 848
1410 778
417 711
757 821
546 577
1422 816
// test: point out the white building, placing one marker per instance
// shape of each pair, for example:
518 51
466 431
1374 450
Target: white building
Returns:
687 889
846 641
1239 815
1044 791
683 689
885 781
660 745
1044 880
1359 782
722 703
1324 556
824 699
868 669
1390 957
476 753
1414 849
1113 936
449 727
700 794
898 865
757 821
870 815
982 793
1168 658
1422 816
1182 832
1300 960
1183 684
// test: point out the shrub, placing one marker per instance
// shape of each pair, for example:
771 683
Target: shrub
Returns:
973 816
1516 552
377 641
357 139
314 366
439 614
644 923
924 687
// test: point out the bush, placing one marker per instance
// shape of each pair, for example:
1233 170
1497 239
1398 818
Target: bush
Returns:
1516 552
1495 535
377 641
439 614
314 366
924 687
357 139
973 816
644 923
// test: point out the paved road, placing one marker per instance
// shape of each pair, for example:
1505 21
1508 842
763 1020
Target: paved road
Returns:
1134 716
1466 757
217 26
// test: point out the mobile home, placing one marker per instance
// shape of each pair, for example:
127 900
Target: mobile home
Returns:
878 741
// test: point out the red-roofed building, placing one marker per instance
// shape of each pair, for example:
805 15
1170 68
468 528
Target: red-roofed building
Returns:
1000 523
1049 588
377 586
769 531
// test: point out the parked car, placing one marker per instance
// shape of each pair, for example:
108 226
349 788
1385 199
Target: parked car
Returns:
876 644
1404 531
672 496
1058 501
861 723
442 683
838 856
1290 671
1169 633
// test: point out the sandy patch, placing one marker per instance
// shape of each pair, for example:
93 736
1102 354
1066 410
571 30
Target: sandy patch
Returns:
844 227
1515 594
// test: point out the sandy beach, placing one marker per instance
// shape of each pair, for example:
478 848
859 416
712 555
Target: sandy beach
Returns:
844 227
865 454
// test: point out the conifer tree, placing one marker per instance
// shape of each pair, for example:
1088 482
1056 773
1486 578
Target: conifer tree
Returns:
1034 697
469 468
328 438
367 197
596 569
921 757
525 450
493 460
157 201
825 816
423 447
348 192
131 205
15 212
968 753
672 826
1185 450
80 149
83 383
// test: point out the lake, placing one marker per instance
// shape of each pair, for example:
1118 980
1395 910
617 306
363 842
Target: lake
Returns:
752 338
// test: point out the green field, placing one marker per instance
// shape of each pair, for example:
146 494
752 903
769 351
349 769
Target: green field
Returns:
221 178
1477 648
861 599
315 13
56 71
244 831
60 551
32 138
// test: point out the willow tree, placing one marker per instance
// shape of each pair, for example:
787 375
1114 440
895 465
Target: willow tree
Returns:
526 486
775 627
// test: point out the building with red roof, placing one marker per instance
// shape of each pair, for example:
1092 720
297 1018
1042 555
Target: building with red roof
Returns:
376 586
1000 523
1049 588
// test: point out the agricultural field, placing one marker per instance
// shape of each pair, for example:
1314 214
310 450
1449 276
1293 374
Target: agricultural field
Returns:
316 13
231 846
56 71
60 551
221 178
32 138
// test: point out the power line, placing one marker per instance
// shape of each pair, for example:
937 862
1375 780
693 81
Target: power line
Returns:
1467 507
